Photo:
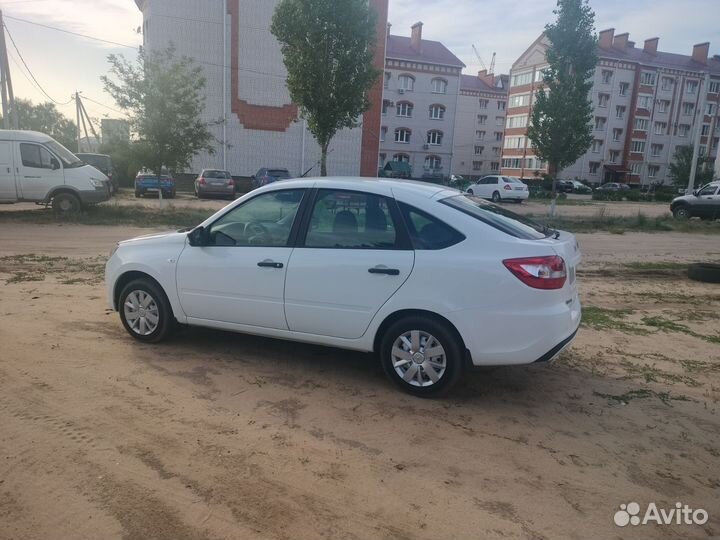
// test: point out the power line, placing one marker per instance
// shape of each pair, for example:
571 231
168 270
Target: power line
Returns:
103 105
70 32
30 71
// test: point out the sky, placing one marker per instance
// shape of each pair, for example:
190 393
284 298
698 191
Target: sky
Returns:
64 63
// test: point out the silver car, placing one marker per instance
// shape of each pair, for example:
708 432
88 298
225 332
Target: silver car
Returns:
215 183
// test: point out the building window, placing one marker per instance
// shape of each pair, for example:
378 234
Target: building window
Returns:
404 109
435 137
710 109
653 171
691 87
596 146
603 100
683 130
688 109
522 100
381 160
402 158
644 101
540 74
667 83
620 111
406 82
483 103
482 119
437 112
496 151
500 121
655 149
705 130
614 155
479 150
714 87
638 147
387 79
494 166
383 133
402 135
648 78
439 86
663 105
516 122
623 88
477 165
617 133
607 76
636 168
501 105
521 79
498 135
641 124
600 123
386 105
512 163
702 150
514 142
433 163
660 128
480 135
594 167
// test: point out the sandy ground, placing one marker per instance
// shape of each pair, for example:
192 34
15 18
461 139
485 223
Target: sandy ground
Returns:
215 435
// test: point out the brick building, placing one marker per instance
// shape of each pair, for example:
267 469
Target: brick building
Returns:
248 107
479 125
646 104
421 88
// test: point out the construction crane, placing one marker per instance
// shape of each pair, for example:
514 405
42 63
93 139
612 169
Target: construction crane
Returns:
490 71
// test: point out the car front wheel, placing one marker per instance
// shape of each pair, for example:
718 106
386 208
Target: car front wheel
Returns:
681 212
66 204
422 356
145 311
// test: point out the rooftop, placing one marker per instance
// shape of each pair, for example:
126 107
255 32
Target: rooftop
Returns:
480 84
660 59
432 52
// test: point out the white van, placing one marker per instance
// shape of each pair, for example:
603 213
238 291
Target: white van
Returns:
36 168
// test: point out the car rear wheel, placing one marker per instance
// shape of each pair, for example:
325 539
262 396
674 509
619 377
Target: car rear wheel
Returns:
422 356
496 197
471 192
681 212
66 204
145 311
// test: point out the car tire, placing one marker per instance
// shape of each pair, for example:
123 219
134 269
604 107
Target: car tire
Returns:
682 212
416 375
138 194
496 197
471 192
705 272
145 311
66 204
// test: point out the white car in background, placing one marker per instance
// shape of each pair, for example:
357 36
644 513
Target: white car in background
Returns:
500 188
429 278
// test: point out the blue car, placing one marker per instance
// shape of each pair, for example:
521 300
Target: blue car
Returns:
148 183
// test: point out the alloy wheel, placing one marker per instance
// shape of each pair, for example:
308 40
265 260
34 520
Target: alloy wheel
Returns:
419 358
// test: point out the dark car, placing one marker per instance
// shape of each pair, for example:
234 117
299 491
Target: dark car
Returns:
613 186
703 203
214 182
564 186
102 163
148 183
267 176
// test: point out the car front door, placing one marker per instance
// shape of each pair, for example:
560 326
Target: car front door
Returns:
708 202
352 257
39 171
238 273
481 187
8 190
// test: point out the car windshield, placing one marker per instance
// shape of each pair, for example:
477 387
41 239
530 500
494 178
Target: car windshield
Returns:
100 162
279 173
498 217
70 160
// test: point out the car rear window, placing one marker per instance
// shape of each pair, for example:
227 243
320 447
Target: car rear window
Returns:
279 173
498 217
217 174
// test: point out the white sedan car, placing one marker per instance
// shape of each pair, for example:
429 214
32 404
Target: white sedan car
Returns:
431 279
500 188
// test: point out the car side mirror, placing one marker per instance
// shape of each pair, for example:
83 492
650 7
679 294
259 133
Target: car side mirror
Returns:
55 164
198 237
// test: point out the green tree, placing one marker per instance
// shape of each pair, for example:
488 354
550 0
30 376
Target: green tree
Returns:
46 118
328 48
679 170
127 160
560 127
163 94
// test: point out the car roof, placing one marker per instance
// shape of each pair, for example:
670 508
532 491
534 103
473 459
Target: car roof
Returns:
22 135
385 186
90 154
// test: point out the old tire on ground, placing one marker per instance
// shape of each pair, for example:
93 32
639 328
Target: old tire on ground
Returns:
66 204
681 212
705 272
145 311
422 355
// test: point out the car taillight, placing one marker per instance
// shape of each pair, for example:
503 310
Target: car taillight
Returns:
507 186
539 272
202 181
231 182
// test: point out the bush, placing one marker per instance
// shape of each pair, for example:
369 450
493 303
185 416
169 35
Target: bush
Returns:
607 196
633 195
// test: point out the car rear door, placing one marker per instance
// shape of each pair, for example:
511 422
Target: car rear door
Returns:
8 189
352 256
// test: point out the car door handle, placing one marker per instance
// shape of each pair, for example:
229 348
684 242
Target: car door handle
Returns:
383 270
270 264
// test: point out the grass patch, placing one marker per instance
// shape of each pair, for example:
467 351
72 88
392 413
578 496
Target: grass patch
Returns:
22 277
31 267
666 325
698 366
650 373
666 397
622 224
137 216
638 265
610 319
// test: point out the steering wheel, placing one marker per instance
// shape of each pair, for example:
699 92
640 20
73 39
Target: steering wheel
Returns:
256 233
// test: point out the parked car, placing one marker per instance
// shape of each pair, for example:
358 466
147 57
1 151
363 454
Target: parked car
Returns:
564 186
703 203
36 168
500 188
148 183
104 164
427 277
267 176
579 187
613 186
216 183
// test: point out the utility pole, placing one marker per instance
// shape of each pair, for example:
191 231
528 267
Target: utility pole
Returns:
698 132
77 119
10 119
225 83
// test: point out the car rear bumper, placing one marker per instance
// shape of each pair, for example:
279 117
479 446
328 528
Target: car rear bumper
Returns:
516 195
209 189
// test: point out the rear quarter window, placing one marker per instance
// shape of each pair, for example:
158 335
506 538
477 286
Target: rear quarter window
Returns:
427 232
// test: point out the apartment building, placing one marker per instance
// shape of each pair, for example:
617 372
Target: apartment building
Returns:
646 103
420 98
480 124
248 107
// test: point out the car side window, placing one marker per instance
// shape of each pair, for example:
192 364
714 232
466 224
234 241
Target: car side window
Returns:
263 221
708 190
351 220
493 180
35 156
428 232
